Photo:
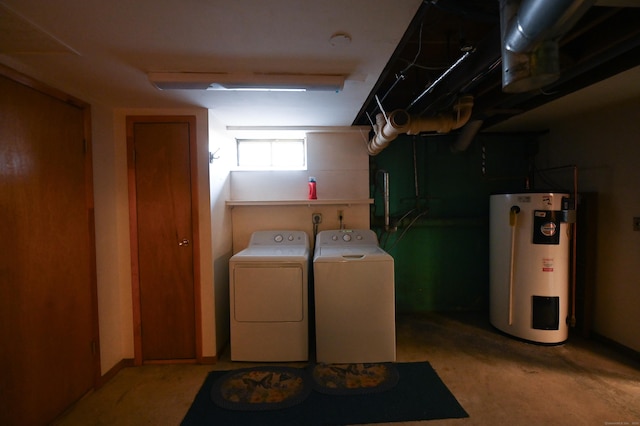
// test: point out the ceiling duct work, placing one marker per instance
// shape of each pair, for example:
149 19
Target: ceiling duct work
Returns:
530 32
466 136
399 121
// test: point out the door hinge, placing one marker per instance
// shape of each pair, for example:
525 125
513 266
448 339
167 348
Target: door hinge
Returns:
94 347
84 146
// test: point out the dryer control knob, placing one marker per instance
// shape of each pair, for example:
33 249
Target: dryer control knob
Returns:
278 238
346 237
334 238
290 238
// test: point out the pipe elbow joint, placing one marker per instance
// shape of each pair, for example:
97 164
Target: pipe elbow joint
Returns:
387 130
462 112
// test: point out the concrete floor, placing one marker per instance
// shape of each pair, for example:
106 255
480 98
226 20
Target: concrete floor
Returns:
496 379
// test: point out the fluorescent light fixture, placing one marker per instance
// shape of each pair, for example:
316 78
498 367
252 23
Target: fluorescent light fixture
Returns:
216 86
247 81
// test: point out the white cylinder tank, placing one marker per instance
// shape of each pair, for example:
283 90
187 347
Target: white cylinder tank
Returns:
529 266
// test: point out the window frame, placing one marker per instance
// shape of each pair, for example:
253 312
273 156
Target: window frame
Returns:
272 164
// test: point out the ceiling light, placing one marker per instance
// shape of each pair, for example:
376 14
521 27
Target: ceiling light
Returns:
246 81
340 39
216 86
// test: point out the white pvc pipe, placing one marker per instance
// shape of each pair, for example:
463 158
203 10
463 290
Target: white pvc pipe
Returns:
399 121
466 136
386 130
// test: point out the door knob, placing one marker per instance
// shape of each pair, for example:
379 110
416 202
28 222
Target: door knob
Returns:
184 242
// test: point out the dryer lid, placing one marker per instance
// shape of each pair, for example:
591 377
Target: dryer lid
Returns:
273 252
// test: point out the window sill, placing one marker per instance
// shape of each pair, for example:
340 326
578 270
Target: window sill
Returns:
236 203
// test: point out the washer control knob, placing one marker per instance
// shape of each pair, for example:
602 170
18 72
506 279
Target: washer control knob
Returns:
358 237
334 238
346 237
290 238
278 238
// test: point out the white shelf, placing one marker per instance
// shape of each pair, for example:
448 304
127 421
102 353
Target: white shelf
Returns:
234 203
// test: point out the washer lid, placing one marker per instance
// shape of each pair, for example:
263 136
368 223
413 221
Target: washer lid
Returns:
346 253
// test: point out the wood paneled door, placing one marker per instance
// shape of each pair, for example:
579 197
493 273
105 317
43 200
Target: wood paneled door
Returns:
164 238
49 355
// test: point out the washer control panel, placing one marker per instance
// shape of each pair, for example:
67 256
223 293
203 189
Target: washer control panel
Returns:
347 237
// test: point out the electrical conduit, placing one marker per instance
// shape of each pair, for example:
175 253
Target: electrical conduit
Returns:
513 222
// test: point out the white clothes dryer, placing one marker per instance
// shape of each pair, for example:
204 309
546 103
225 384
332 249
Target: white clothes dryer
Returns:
354 298
268 293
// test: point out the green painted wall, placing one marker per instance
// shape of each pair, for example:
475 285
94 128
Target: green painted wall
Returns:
441 245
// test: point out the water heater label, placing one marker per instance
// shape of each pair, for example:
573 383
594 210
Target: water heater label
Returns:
548 229
546 224
524 199
547 264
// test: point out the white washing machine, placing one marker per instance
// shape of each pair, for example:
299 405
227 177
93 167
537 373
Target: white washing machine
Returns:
354 298
268 292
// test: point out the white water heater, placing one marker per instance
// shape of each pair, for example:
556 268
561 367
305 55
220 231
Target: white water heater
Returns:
529 266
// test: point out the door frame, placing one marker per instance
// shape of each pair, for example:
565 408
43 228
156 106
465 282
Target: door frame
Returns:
131 120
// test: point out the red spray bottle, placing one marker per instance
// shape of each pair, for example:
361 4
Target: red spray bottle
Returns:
312 188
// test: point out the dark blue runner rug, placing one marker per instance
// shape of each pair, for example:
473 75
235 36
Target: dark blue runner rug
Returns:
418 395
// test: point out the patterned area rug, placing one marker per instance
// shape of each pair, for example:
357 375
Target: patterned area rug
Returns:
261 388
418 395
350 379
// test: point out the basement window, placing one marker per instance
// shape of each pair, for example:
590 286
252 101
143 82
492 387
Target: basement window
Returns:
271 154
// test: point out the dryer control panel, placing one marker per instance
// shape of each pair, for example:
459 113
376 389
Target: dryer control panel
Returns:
279 237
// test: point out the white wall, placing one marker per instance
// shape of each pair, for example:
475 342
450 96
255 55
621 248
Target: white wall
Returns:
222 147
112 231
605 145
340 163
338 160
113 260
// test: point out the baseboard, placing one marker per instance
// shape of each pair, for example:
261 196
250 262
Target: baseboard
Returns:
130 362
123 363
617 347
208 360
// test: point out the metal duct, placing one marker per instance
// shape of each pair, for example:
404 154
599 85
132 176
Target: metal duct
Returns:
530 31
538 20
399 121
386 199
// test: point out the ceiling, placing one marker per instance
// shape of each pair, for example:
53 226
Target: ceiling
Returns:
102 51
603 43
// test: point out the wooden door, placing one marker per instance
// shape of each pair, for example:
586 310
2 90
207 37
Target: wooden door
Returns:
160 155
48 314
